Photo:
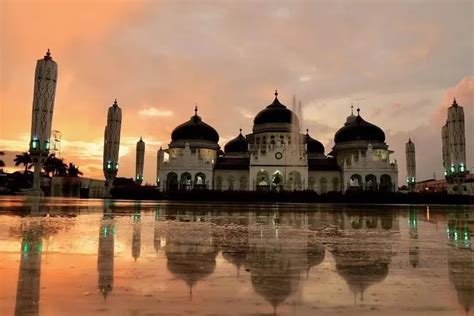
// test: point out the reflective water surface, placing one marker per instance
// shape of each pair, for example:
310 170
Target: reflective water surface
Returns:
86 257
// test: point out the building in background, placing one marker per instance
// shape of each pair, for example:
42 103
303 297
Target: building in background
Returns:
454 149
44 93
139 161
112 144
411 164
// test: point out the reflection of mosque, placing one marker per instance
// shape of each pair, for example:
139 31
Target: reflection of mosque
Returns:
460 230
105 258
364 259
28 290
267 244
137 231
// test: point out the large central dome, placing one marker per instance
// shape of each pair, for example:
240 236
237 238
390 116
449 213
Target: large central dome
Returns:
195 129
358 129
276 113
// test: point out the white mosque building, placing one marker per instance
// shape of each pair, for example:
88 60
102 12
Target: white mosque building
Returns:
277 156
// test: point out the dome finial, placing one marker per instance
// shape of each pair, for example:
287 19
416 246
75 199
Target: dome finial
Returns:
115 103
240 131
276 94
454 102
352 109
196 110
358 111
307 131
48 55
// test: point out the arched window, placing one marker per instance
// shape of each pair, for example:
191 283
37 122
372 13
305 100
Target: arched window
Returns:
218 183
231 181
311 183
323 185
335 184
243 183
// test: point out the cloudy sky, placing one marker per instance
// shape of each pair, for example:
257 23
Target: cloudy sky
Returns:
401 62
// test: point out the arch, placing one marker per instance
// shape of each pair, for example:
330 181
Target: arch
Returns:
277 181
231 181
323 185
335 184
171 181
200 181
263 182
311 183
356 222
186 181
218 183
355 182
294 180
370 182
243 183
386 222
371 222
385 183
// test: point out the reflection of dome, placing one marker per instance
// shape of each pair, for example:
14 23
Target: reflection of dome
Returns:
237 145
191 265
275 113
360 276
313 145
359 129
315 254
195 129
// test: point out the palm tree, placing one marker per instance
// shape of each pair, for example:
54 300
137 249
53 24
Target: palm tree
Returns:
73 170
54 166
24 159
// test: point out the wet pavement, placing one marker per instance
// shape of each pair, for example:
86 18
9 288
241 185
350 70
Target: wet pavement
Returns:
87 257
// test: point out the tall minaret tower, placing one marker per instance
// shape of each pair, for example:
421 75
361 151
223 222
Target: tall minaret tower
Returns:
140 160
112 143
160 156
46 75
454 147
411 164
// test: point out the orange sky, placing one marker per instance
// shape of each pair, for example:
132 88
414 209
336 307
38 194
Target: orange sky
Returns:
400 62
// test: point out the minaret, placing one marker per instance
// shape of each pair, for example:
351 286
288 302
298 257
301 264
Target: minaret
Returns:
411 164
140 160
112 143
454 147
46 75
160 155
137 231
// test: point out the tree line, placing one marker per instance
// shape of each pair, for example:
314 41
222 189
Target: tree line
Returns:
53 166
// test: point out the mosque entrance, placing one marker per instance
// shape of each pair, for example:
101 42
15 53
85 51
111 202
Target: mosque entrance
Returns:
172 181
277 181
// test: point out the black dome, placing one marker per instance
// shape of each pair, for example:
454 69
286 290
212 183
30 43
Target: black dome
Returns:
275 113
313 145
358 129
195 129
237 145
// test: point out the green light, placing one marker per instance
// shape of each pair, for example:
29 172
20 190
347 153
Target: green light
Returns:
35 143
46 145
26 247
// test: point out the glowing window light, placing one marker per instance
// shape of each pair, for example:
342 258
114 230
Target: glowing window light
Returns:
47 145
35 143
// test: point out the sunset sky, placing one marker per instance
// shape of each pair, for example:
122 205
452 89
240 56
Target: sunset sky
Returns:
401 62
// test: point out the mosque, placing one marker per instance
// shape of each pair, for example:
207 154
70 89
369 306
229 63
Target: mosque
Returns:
277 156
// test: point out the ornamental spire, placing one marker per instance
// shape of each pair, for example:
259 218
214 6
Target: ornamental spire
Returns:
454 102
115 103
48 55
276 94
358 111
196 110
352 109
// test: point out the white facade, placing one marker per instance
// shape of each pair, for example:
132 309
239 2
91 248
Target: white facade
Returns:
454 142
112 142
139 161
44 93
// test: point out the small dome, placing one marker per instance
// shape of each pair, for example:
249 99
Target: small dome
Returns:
195 129
237 145
275 113
359 129
313 145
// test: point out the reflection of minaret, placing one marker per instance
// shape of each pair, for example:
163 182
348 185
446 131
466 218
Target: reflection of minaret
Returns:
28 290
137 231
411 164
140 160
46 74
112 143
414 252
460 258
105 259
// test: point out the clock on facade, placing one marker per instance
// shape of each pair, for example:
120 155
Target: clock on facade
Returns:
278 155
